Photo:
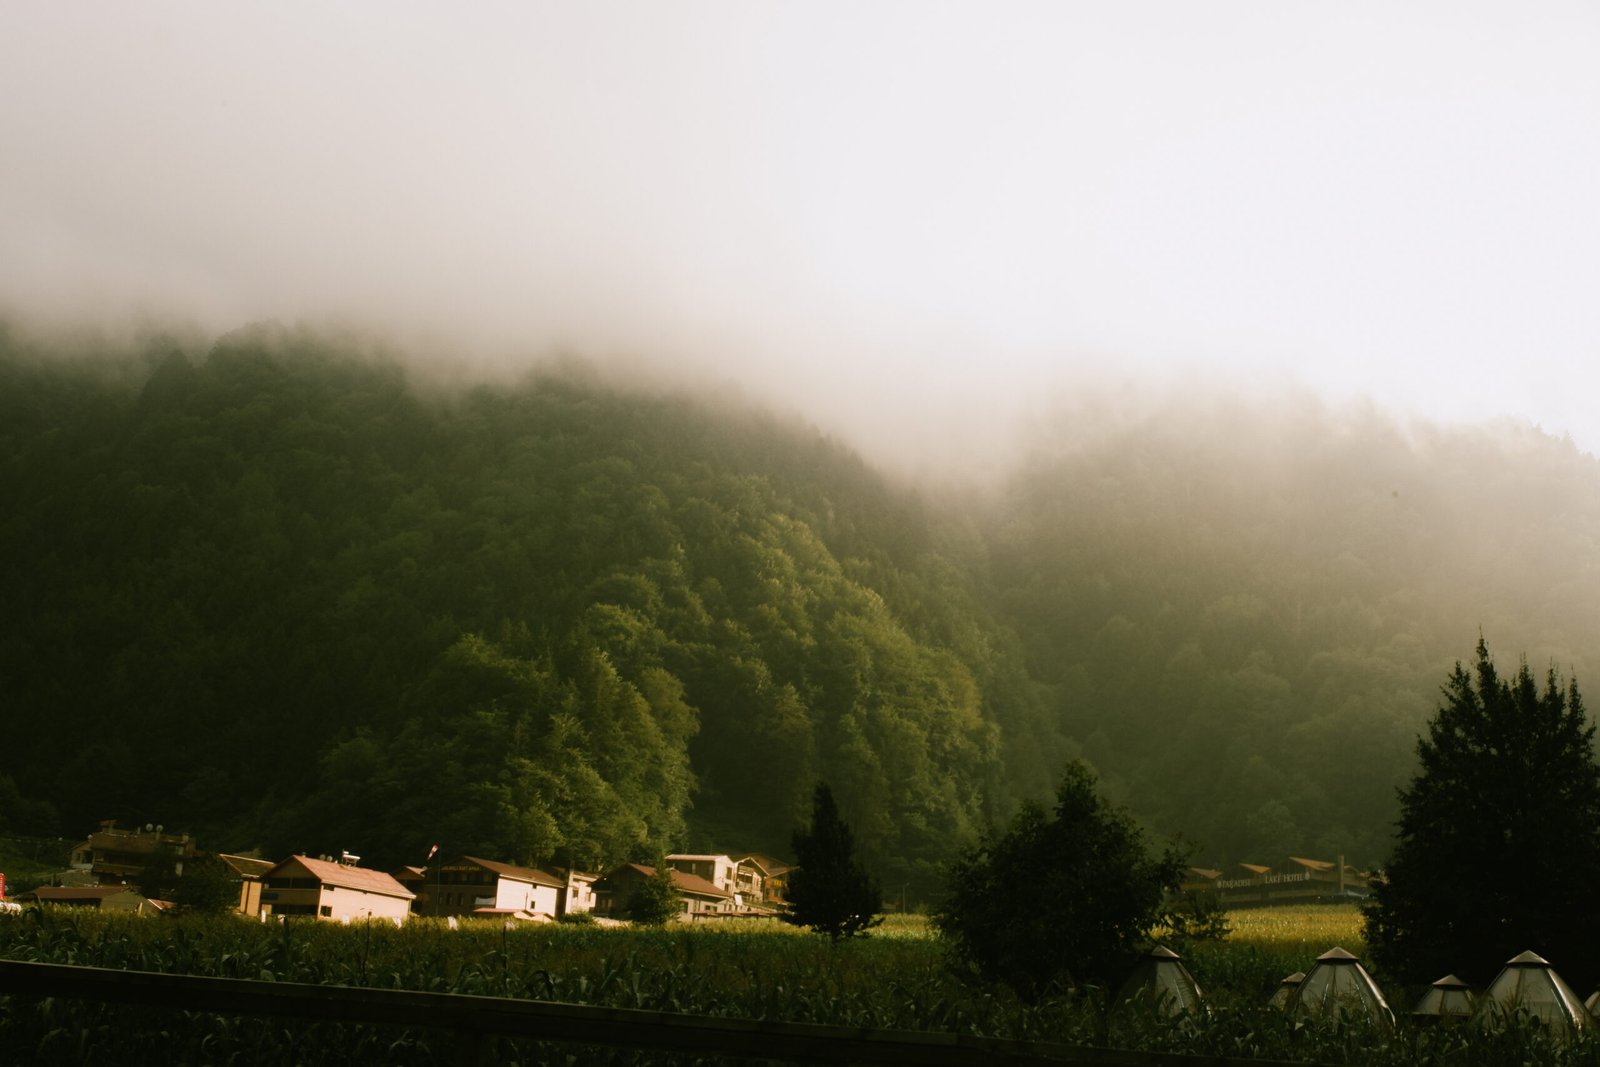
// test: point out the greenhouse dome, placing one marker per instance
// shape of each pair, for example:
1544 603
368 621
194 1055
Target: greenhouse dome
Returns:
1338 989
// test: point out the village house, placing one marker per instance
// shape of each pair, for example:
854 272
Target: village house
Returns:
718 870
579 895
324 889
113 855
776 878
745 878
699 897
474 886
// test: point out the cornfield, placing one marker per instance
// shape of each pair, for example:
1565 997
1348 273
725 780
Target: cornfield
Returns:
896 978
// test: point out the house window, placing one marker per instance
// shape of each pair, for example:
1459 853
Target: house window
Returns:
327 911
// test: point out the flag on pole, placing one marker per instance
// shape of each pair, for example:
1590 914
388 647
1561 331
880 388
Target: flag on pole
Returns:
431 851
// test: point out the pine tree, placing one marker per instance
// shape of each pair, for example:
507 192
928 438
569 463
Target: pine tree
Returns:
1498 846
831 892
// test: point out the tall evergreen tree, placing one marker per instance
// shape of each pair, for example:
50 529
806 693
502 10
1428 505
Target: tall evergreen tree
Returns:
830 891
1498 846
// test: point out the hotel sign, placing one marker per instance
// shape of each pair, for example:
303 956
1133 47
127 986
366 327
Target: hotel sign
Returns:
1264 879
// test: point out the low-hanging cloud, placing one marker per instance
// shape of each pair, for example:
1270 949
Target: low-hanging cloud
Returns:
908 221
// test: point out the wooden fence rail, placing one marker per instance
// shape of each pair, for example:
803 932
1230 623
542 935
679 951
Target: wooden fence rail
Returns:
474 1017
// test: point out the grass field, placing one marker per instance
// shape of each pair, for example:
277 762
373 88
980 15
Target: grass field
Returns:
896 978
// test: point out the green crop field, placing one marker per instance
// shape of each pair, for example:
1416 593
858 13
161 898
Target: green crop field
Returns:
896 978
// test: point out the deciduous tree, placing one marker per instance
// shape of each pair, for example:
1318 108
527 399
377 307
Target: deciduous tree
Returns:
655 900
1061 897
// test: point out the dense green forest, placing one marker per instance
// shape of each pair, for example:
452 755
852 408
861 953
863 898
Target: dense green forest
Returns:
282 598
279 593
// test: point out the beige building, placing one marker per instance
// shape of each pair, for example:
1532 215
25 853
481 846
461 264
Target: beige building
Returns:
744 878
339 892
580 892
471 885
250 872
699 898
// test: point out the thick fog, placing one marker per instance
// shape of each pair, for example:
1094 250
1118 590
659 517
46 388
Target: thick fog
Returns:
914 222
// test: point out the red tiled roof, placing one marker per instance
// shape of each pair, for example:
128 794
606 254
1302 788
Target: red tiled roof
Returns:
521 874
693 883
362 879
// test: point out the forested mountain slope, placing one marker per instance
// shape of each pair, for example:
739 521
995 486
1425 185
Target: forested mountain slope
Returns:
282 598
1247 614
278 594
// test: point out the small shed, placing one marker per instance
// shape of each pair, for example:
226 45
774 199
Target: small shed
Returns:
1448 998
1161 980
1529 984
1338 989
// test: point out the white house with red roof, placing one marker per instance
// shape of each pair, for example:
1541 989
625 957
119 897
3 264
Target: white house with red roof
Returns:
472 885
336 891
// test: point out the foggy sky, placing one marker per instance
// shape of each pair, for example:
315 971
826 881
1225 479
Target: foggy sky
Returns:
912 221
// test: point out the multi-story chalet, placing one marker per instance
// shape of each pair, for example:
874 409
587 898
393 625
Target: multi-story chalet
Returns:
776 879
701 899
745 878
114 855
323 889
474 886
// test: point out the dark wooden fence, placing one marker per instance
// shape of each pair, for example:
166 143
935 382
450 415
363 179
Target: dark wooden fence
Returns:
475 1017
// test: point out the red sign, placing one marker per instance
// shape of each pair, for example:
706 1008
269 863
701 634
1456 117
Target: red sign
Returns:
2 885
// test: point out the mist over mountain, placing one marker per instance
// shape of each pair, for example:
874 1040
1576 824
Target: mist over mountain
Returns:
279 592
1245 613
